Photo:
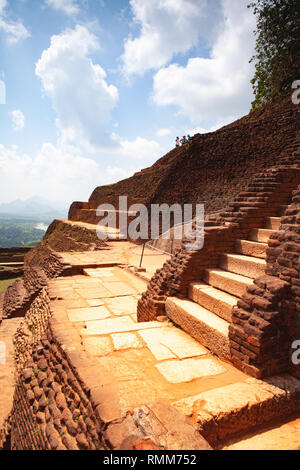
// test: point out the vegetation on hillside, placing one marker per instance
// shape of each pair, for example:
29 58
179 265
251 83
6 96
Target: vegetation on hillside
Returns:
4 284
277 58
19 232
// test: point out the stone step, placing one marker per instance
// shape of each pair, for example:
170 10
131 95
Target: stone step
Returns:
280 436
246 204
210 330
282 210
230 411
262 185
243 265
250 199
226 281
272 223
254 194
216 301
267 179
260 235
249 248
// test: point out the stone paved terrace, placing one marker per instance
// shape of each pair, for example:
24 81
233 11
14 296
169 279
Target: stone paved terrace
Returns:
158 362
7 377
150 361
80 299
118 252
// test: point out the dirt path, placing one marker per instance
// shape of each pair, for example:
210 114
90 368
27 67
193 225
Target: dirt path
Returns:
7 379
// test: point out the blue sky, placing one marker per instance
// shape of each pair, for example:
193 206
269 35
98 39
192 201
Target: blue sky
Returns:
99 89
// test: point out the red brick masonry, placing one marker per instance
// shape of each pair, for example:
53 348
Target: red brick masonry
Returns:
265 321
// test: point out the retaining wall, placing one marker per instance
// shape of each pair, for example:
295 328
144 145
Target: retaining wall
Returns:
269 190
65 400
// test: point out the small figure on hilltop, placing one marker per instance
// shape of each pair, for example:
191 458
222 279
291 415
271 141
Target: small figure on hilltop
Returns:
189 139
183 140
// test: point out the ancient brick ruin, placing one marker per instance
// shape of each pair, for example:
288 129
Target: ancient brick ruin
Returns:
105 359
256 331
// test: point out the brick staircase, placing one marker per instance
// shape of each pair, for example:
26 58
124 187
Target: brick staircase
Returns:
206 314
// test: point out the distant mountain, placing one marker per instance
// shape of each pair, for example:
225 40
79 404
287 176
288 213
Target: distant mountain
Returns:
35 207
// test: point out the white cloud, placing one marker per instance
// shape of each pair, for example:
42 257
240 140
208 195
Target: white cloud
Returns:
18 120
168 27
197 130
83 101
163 132
140 148
58 174
3 4
15 30
78 89
217 88
117 174
70 7
52 173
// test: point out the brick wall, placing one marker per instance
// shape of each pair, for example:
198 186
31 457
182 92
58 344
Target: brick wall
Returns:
214 168
65 400
52 409
44 264
265 320
265 193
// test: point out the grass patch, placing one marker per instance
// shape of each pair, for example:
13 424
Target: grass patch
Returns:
6 283
9 267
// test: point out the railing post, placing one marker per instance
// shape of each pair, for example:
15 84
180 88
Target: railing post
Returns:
142 255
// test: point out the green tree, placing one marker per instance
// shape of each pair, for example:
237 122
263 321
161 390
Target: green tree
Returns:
277 58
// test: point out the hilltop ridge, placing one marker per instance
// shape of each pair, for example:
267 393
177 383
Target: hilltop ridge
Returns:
212 170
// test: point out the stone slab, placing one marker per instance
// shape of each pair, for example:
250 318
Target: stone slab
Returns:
126 341
129 366
88 314
170 342
94 293
77 303
95 302
189 369
119 288
126 305
98 346
105 273
160 351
